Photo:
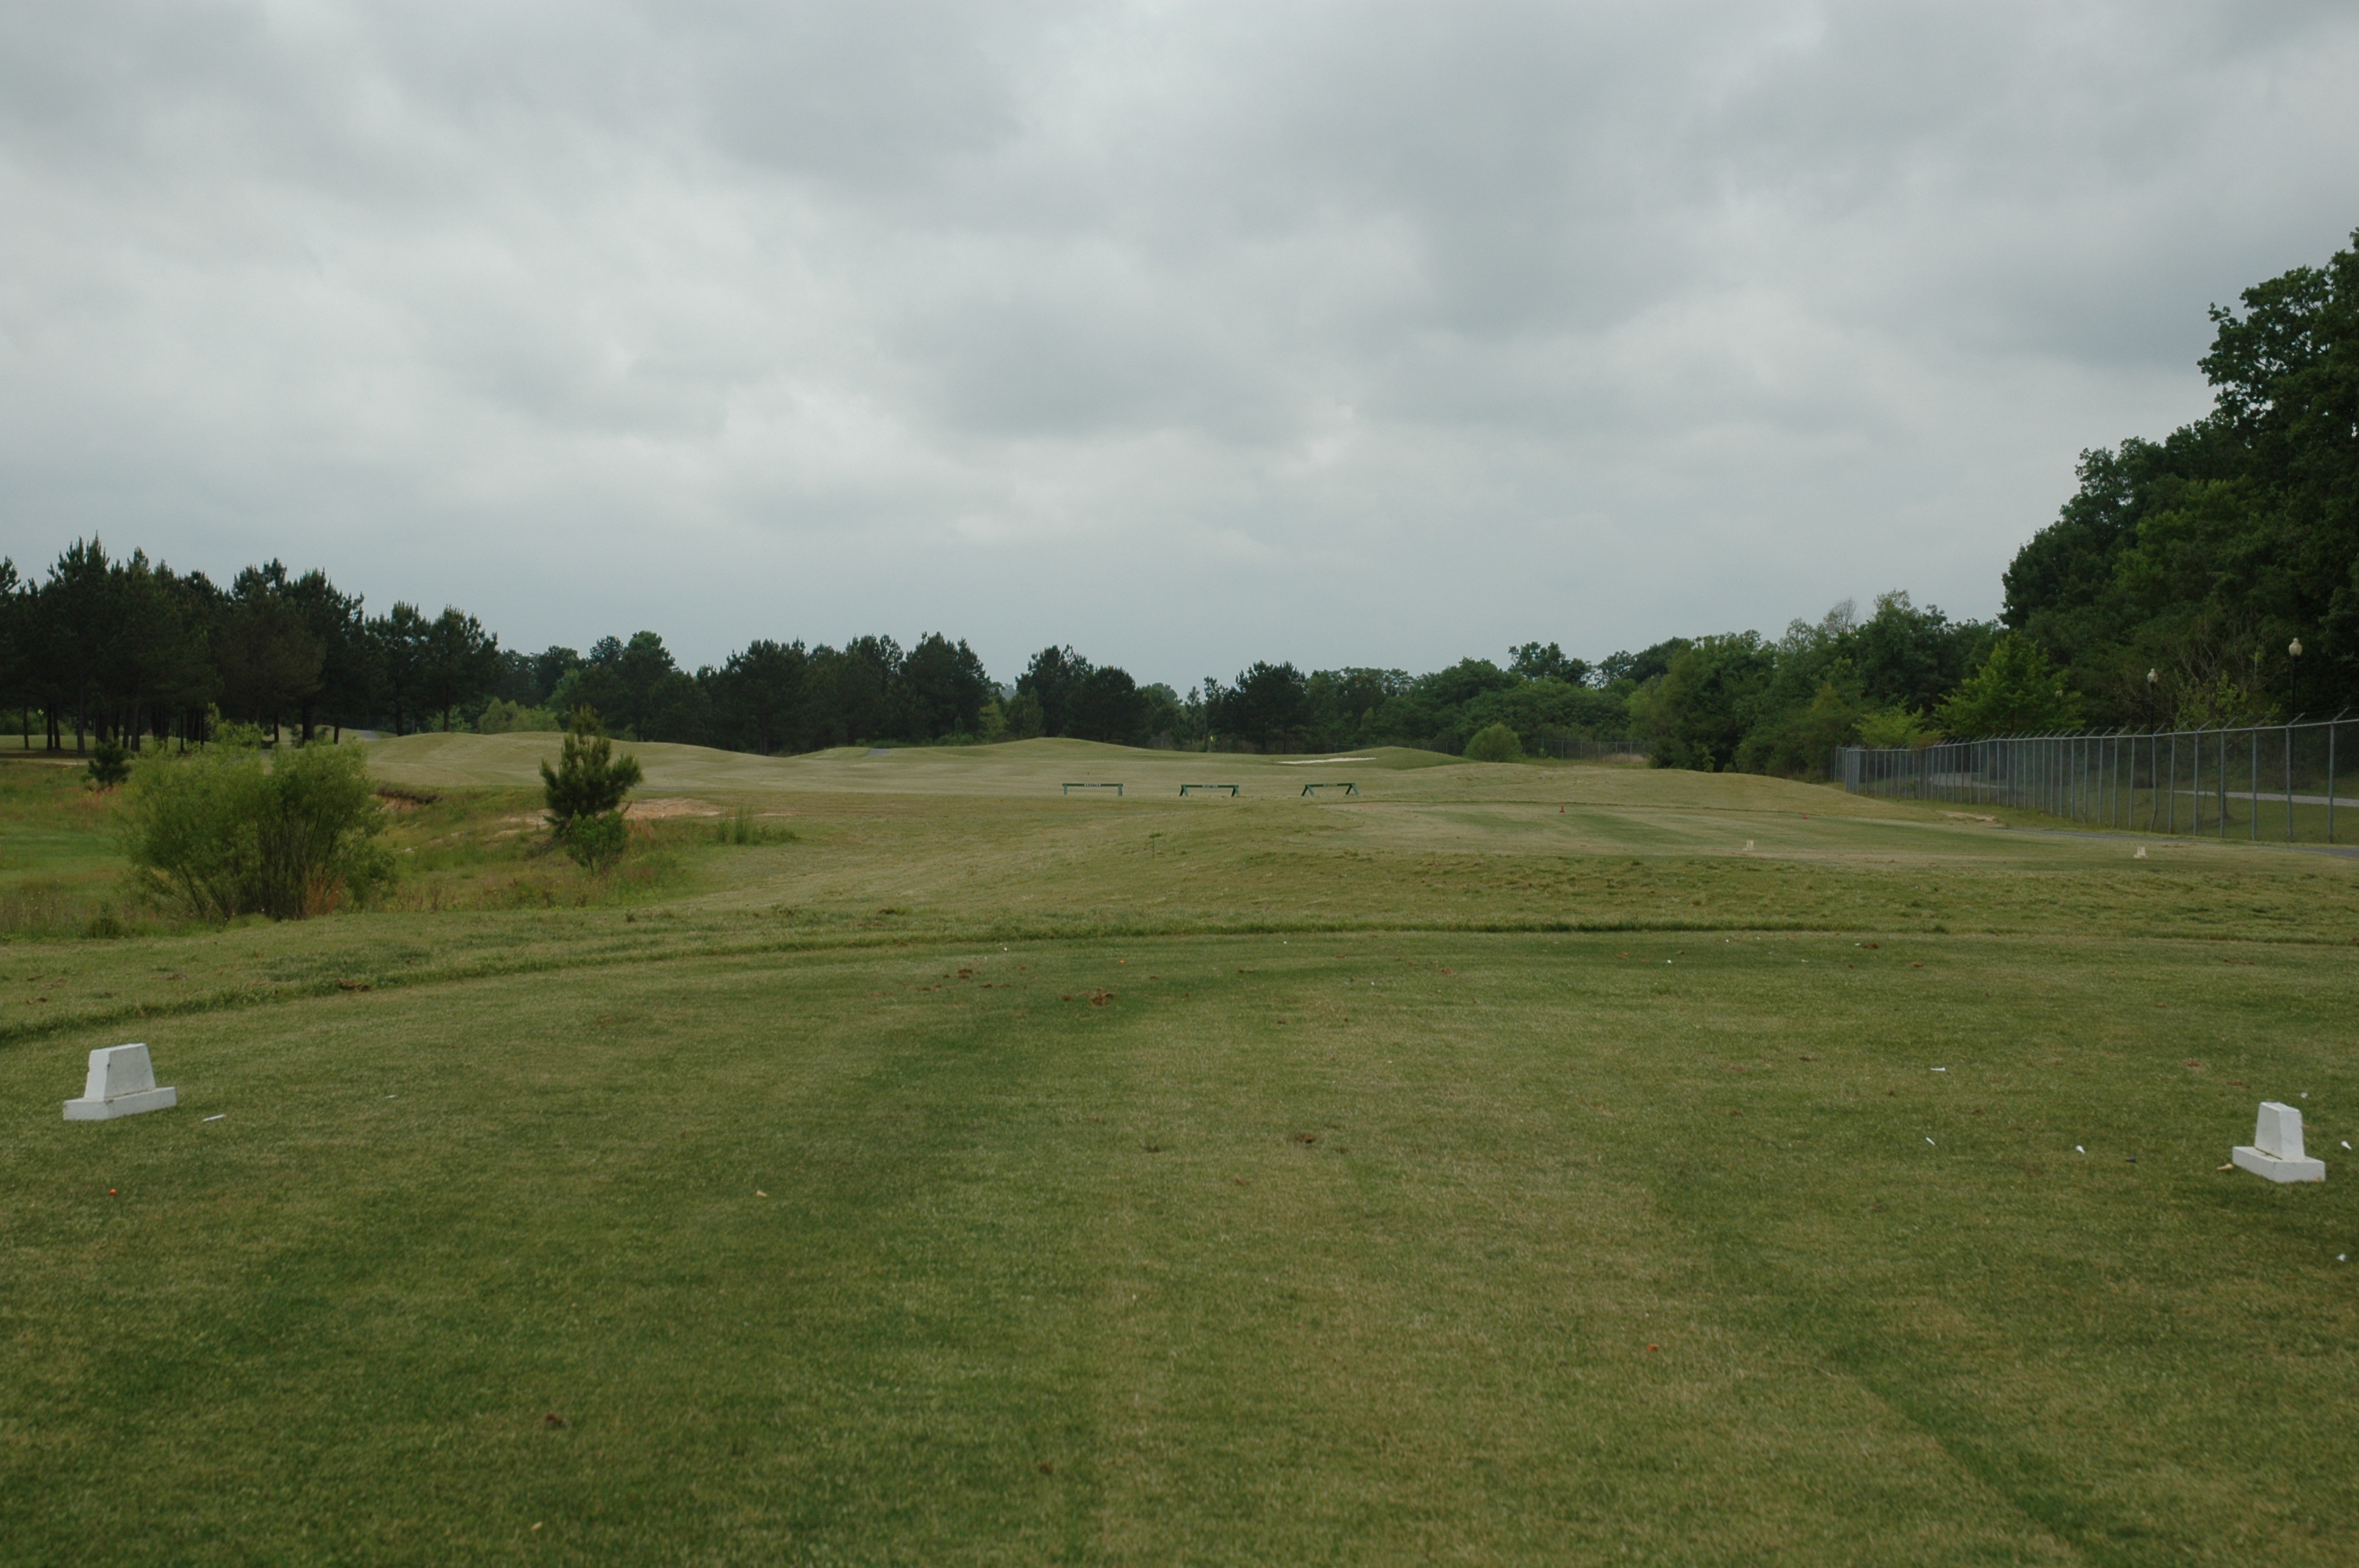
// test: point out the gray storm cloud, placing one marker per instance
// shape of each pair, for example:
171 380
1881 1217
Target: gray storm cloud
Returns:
1373 334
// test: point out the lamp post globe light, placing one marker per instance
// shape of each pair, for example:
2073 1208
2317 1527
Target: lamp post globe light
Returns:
2293 679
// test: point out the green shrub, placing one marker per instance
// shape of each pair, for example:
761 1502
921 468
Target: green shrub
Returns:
586 792
502 716
1023 719
226 833
1896 726
110 763
741 826
2015 692
232 732
1494 743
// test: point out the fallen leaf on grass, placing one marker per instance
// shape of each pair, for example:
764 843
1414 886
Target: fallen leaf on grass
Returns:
1306 1138
353 986
552 1420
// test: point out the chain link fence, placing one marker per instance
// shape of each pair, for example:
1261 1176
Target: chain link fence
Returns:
2277 782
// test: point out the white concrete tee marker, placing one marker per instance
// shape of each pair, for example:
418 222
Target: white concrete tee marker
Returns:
122 1083
2275 1149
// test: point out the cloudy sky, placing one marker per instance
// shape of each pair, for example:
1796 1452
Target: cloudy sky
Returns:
1189 334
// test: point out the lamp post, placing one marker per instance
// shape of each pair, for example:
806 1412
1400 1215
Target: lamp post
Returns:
2293 679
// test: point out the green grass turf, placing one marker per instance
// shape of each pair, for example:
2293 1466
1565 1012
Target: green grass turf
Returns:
1436 1176
58 861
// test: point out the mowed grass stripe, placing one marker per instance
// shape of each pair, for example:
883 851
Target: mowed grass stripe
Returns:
1430 1327
565 1218
2056 1319
1006 1231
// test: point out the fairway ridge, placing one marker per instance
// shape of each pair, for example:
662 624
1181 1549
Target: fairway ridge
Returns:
1515 1165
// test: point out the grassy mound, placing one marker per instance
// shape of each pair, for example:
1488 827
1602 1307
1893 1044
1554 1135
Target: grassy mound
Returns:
1023 767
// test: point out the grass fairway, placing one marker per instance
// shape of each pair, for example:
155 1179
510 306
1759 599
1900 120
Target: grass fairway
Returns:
1506 1166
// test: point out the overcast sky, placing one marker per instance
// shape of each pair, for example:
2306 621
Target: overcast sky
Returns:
1189 334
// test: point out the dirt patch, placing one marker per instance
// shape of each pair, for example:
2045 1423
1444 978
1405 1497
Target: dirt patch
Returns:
669 806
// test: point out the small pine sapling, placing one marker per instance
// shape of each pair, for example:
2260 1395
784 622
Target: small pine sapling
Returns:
110 764
585 790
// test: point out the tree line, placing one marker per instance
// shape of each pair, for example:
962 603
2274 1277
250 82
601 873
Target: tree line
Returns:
2210 578
2213 576
120 650
124 649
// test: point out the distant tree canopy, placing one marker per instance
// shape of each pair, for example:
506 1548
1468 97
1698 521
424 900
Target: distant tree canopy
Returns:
2170 589
118 649
114 648
2202 558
